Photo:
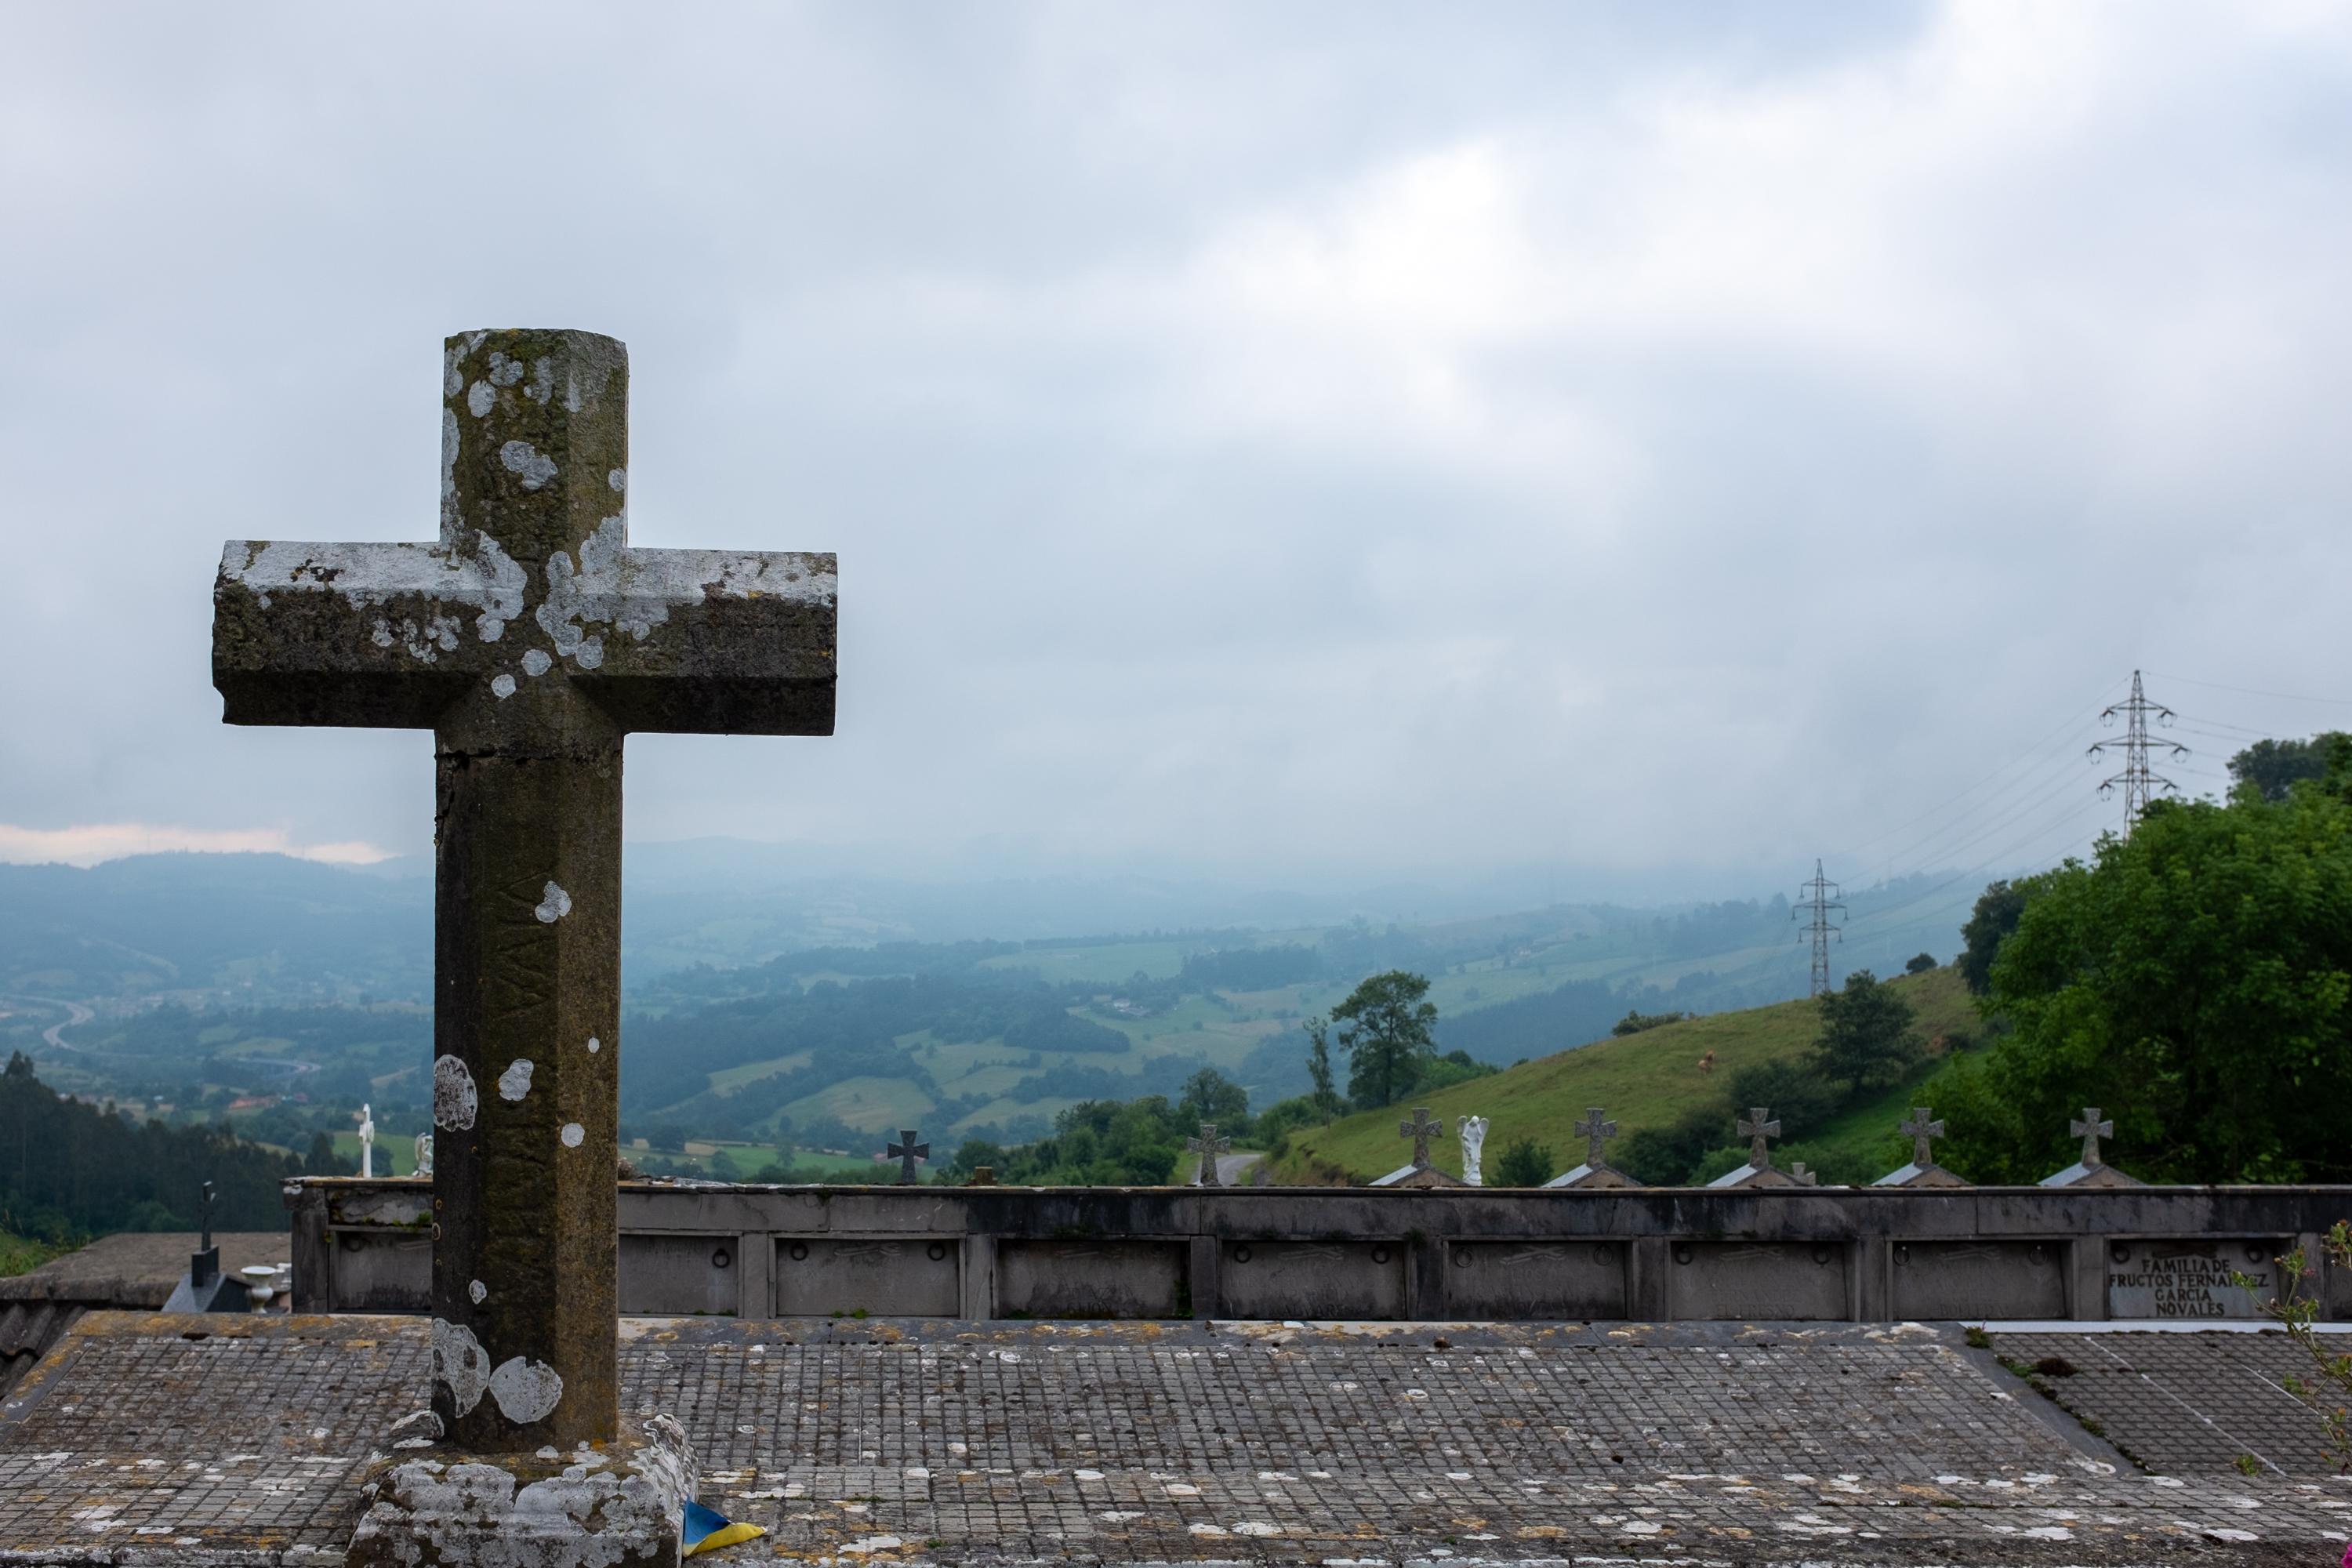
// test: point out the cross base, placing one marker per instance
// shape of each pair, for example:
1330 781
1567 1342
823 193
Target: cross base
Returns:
617 1505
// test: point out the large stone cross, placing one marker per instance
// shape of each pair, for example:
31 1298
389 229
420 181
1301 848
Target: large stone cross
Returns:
906 1151
1208 1145
1420 1128
1595 1131
2090 1129
530 637
1757 1128
1920 1130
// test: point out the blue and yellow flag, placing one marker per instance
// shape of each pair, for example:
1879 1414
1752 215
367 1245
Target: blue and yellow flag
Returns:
707 1530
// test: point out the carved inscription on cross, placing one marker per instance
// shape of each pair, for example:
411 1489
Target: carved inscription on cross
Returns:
530 638
2090 1129
1756 1127
1208 1145
1595 1131
1420 1128
1920 1130
906 1151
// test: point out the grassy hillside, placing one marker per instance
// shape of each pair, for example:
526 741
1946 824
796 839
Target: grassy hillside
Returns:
1642 1080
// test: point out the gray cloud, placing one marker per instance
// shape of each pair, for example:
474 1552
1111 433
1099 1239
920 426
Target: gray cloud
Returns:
1280 438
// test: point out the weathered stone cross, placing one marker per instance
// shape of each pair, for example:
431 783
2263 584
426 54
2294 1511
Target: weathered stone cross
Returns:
1420 1129
1920 1130
2090 1129
529 639
1595 1131
1208 1145
906 1151
1757 1129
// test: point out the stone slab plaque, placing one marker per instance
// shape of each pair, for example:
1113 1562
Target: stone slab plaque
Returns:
679 1276
1935 1280
1091 1278
883 1277
384 1271
1773 1280
1511 1280
1284 1279
2190 1279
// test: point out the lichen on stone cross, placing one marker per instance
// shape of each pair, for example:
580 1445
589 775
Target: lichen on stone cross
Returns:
1420 1128
2090 1129
1595 1131
1920 1130
906 1151
530 636
1208 1145
1757 1128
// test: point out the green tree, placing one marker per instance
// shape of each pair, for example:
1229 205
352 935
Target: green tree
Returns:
2275 767
1794 1091
2195 981
1920 964
322 1160
1211 1095
1524 1163
1867 1040
1319 1067
1634 1023
1989 925
1387 1028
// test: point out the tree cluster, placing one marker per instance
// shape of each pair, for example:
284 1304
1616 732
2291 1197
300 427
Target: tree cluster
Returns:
2194 980
67 1169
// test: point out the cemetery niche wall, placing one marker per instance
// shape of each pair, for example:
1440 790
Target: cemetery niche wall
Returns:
1861 1254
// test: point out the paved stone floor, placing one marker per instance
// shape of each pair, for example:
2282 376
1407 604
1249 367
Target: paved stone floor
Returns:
145 1439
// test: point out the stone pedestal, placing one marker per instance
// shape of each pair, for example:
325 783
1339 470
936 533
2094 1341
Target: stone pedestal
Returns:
614 1505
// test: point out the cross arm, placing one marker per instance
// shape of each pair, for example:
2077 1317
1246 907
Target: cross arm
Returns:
367 634
699 641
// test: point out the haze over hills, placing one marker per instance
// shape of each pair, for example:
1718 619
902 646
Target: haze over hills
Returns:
782 1005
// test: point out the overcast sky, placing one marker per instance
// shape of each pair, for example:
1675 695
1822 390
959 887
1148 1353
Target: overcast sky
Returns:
1258 439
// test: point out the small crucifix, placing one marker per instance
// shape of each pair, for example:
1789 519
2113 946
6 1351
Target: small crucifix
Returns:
1920 1130
1595 1131
1756 1127
2090 1129
532 639
1208 1145
1420 1128
906 1151
367 1141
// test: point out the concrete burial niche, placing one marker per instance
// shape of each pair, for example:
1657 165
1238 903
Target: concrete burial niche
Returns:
382 1271
1781 1280
2192 1277
1932 1280
883 1277
1092 1279
679 1276
1536 1280
1285 1279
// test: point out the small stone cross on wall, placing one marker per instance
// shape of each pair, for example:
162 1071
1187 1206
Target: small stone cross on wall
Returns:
906 1151
2090 1129
1208 1145
1595 1131
1757 1127
1420 1128
1920 1130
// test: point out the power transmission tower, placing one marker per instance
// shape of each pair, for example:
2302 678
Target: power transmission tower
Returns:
2140 784
1817 898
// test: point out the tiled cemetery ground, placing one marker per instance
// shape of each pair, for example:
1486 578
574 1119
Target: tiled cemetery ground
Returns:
1135 1443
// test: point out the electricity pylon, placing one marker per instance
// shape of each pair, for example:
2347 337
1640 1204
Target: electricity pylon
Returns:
2140 784
1818 898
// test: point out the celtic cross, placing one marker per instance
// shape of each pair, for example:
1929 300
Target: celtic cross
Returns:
1756 1128
1420 1128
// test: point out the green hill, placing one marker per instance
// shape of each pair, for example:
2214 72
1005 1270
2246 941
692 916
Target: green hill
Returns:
1641 1080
